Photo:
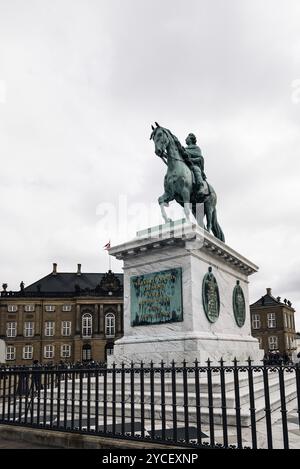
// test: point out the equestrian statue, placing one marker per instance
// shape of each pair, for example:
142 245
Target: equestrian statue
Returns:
185 180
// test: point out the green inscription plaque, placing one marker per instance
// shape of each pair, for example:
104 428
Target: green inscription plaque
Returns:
156 298
239 305
210 296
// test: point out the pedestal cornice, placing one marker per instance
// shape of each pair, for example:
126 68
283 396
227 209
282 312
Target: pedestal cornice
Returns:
189 236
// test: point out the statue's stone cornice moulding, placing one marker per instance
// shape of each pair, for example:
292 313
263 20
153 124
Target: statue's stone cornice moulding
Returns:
189 236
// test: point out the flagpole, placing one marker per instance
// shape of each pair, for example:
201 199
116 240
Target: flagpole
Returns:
109 261
107 248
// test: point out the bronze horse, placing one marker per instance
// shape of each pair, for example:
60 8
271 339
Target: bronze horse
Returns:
178 183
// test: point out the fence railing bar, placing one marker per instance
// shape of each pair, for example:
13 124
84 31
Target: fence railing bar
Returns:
283 409
237 405
224 404
267 407
252 404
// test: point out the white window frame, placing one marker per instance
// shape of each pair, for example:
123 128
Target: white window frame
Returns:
271 320
256 323
87 325
49 351
11 329
12 308
28 329
109 351
29 308
50 308
110 325
273 342
65 351
27 352
66 308
66 328
10 353
49 328
286 341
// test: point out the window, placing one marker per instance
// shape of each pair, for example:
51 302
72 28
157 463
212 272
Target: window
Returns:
273 343
87 324
67 307
11 329
28 329
260 342
49 351
285 320
287 341
86 353
271 320
65 351
27 352
256 321
49 308
10 353
110 323
66 328
49 328
12 308
29 308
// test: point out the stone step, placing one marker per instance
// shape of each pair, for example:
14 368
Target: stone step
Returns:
192 400
203 384
89 406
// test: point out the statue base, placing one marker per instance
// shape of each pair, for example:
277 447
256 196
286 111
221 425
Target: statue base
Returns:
193 336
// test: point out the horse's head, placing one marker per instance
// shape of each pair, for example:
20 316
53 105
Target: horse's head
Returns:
161 139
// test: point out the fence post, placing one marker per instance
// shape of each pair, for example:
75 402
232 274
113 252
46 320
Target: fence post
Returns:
174 402
224 404
163 400
210 404
237 403
252 404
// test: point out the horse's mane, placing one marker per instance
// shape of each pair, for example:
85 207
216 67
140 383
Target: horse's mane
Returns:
177 143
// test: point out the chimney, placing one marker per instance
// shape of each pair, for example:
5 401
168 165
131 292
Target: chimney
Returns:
54 272
269 291
78 269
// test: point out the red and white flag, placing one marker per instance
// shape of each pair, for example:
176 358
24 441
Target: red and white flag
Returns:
107 246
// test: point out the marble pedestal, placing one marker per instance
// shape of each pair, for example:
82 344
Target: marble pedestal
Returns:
190 248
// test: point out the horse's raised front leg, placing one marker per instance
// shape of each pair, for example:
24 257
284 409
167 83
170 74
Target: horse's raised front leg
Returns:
163 201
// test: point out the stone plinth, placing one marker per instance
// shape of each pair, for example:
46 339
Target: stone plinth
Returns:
194 251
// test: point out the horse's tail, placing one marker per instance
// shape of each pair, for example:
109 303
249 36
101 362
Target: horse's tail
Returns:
216 229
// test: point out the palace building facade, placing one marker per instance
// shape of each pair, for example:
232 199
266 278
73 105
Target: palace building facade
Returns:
62 317
273 324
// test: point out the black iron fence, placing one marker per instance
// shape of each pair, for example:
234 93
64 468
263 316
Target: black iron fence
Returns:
224 406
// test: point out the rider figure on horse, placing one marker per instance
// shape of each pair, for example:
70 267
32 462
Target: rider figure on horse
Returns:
194 158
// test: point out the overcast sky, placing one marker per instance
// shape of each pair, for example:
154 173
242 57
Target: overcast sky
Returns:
81 81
